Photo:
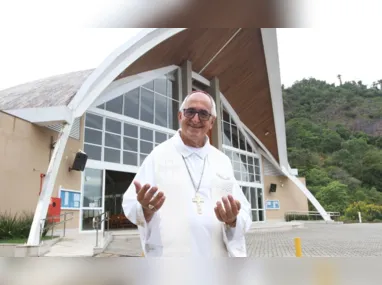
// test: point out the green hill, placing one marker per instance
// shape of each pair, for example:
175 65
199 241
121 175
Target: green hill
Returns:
334 138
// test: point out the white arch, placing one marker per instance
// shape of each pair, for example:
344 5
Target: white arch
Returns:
90 90
115 64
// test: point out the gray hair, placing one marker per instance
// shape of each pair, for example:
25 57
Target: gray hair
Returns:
213 104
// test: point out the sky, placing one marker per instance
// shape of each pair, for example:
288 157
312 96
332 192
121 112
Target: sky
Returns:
30 54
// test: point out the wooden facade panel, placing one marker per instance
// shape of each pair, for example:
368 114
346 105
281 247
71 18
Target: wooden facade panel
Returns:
240 67
195 45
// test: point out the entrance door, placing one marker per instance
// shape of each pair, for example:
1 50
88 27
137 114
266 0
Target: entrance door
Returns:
116 184
255 197
92 197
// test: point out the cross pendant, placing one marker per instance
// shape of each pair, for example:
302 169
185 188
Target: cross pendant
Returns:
198 200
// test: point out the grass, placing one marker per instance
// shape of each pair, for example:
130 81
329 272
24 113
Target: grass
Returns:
22 240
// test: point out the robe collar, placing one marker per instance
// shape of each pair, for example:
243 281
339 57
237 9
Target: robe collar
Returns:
187 151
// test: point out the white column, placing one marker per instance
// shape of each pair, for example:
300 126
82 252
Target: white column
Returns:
48 185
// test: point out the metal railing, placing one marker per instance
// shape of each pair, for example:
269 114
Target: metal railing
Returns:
311 215
53 224
98 220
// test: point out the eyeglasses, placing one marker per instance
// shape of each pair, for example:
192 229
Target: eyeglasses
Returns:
191 112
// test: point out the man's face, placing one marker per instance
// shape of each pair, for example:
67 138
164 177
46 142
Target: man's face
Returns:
194 126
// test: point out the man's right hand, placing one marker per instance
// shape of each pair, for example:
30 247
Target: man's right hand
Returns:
149 204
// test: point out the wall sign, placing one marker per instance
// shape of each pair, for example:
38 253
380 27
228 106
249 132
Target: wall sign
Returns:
70 199
273 205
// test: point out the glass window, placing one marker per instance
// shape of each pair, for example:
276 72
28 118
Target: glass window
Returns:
147 134
93 152
93 136
235 139
92 195
146 147
160 137
87 219
112 140
130 144
93 121
160 86
160 110
115 105
173 107
147 106
149 85
131 131
142 158
169 88
131 104
113 126
130 158
112 155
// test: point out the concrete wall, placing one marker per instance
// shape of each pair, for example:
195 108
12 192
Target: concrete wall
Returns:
24 154
290 197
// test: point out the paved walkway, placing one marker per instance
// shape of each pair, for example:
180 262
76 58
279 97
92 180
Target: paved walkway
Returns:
318 240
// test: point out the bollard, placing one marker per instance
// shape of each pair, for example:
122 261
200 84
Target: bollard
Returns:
360 217
297 244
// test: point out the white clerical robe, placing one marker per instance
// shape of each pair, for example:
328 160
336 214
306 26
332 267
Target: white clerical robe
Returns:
177 229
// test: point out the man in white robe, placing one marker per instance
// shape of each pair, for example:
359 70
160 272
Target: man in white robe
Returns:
185 199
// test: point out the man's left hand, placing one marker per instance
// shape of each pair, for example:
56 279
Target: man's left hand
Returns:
227 210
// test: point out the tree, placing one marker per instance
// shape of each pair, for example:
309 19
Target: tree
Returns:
334 197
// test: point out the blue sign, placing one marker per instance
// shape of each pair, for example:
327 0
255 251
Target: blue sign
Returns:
70 199
273 204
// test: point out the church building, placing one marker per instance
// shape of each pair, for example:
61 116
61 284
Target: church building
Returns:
78 139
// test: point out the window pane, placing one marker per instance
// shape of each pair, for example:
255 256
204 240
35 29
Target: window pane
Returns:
235 139
147 106
160 110
160 137
172 107
130 144
249 148
93 152
225 116
131 107
258 179
93 136
115 105
87 219
237 175
160 86
93 182
146 147
149 85
236 166
131 131
227 134
169 88
142 158
253 198
112 140
251 178
242 141
243 158
93 121
130 158
112 155
113 126
250 160
102 106
260 197
147 134
261 215
254 216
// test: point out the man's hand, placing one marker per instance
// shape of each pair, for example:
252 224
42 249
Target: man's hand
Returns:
145 197
229 212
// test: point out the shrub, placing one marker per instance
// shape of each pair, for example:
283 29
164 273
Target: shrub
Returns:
15 226
369 212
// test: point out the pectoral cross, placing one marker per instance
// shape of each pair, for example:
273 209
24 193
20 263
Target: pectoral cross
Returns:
198 200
